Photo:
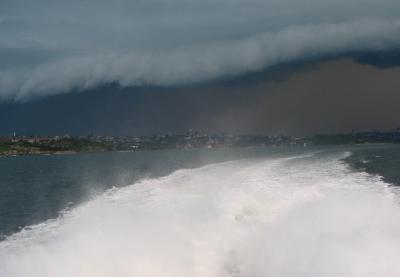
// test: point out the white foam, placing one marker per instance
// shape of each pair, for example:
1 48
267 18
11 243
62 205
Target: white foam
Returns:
299 216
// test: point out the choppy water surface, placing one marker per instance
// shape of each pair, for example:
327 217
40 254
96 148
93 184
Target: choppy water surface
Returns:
236 212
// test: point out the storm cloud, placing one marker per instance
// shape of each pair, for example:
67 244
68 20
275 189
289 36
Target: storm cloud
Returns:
327 97
52 47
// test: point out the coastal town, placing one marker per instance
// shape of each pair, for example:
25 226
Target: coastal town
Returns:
31 145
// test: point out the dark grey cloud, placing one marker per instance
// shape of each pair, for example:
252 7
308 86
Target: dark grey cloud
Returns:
335 96
51 46
332 96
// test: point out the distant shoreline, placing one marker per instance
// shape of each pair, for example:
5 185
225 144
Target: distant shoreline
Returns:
64 145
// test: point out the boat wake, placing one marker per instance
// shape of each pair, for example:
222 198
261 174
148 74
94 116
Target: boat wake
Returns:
295 216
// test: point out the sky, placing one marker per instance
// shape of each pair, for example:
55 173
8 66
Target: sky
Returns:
62 61
328 97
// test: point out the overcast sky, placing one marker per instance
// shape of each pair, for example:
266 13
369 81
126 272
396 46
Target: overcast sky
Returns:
245 66
51 46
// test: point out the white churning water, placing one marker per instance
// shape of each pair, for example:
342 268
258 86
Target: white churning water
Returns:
298 216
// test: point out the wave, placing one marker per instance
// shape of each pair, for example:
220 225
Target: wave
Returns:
305 215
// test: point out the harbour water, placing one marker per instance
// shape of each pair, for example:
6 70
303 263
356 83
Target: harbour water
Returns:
313 211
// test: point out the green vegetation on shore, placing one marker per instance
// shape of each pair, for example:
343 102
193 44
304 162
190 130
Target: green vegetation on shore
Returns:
4 147
17 145
50 146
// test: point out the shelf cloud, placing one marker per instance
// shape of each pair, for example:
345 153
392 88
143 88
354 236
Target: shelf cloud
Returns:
52 47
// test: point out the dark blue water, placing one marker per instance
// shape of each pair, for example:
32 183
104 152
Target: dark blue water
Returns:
382 160
36 188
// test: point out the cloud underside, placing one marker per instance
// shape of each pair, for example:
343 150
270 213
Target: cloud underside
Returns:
38 59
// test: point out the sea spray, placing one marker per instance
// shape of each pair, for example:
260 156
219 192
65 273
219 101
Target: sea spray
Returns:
307 215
